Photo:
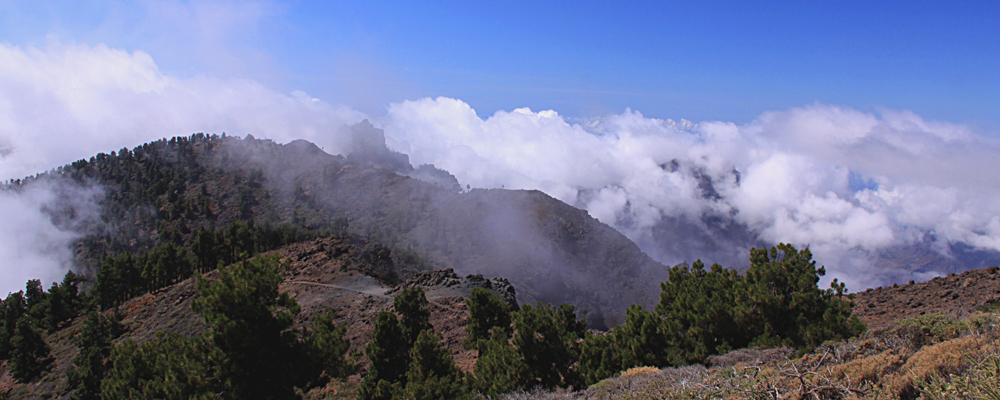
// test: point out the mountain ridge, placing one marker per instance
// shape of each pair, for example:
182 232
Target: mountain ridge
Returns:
169 190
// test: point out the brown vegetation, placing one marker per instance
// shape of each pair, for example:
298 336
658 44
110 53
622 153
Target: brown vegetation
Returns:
926 341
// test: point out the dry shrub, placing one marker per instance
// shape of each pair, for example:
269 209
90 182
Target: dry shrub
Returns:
928 329
682 374
639 371
667 383
538 394
980 381
751 357
950 357
871 369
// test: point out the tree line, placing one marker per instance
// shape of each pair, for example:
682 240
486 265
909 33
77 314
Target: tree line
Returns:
701 313
24 315
126 275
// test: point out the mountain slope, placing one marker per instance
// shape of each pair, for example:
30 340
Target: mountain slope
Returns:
354 278
169 190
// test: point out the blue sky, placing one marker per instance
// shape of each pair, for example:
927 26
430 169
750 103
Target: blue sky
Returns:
704 60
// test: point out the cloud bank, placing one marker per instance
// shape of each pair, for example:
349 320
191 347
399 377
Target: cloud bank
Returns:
67 102
847 183
37 225
844 182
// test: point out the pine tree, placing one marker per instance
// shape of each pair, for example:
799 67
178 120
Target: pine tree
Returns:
14 307
432 373
791 309
499 368
643 340
29 354
600 357
94 342
486 311
327 345
546 339
205 250
710 309
87 373
414 317
388 352
776 303
64 301
249 322
170 367
36 299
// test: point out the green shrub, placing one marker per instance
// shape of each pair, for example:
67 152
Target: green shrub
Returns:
928 329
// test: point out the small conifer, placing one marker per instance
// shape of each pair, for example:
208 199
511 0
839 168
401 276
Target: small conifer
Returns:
432 373
486 311
29 353
499 368
414 317
388 352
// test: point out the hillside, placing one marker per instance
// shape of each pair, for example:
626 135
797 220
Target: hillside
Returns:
938 339
348 275
357 279
170 190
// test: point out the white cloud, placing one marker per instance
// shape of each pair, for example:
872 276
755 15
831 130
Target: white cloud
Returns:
68 101
35 247
794 170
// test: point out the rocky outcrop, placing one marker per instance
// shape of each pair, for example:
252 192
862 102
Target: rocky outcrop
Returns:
445 282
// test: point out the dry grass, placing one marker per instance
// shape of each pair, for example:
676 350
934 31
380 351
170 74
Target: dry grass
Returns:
930 357
640 371
750 357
